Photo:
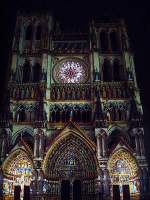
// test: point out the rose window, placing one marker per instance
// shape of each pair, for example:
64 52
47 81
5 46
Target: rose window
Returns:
71 71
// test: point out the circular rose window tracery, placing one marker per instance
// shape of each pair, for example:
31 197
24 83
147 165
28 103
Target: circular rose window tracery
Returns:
71 71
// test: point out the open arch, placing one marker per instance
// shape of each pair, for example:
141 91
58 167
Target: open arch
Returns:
114 41
117 76
26 137
38 32
17 170
26 72
29 32
104 41
116 135
37 72
107 70
23 131
123 170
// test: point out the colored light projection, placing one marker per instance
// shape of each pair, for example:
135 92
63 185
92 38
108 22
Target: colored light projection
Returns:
71 157
17 172
123 170
70 71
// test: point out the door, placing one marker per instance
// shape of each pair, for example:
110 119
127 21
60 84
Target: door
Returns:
65 190
17 191
126 192
116 192
77 190
26 195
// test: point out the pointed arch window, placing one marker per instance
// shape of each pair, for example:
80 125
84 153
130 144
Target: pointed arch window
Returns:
29 32
36 72
38 32
26 72
103 41
116 70
107 71
114 41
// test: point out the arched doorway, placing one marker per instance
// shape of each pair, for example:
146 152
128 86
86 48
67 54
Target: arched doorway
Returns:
123 170
17 170
71 158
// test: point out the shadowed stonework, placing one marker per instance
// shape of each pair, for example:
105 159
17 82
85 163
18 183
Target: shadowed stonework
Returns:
72 124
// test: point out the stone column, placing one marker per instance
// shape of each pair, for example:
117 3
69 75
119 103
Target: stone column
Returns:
141 144
99 146
106 181
33 184
145 180
1 183
40 181
137 144
104 145
100 183
14 119
4 146
41 145
36 144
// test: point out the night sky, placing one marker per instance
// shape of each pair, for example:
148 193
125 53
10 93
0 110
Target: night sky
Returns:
76 14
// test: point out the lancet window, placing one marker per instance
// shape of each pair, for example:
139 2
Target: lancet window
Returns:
116 111
112 71
25 114
107 70
114 41
29 32
117 70
104 41
38 32
29 73
78 113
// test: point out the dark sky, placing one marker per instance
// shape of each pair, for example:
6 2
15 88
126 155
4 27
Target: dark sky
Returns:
73 13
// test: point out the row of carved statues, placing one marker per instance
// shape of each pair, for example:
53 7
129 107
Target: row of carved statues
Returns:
58 93
27 92
70 92
113 91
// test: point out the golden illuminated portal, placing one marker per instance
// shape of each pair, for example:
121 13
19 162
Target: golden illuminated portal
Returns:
123 170
18 171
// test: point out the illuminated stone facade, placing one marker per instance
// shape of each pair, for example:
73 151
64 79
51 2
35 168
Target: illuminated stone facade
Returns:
72 126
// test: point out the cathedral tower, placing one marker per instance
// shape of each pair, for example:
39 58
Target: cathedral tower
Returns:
73 127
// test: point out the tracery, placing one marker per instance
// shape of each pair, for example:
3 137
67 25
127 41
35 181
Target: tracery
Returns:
18 171
123 170
71 71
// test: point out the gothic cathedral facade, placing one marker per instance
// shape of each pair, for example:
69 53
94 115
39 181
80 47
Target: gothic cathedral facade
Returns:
73 126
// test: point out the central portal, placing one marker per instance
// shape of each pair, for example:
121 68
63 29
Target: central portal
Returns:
71 190
72 164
